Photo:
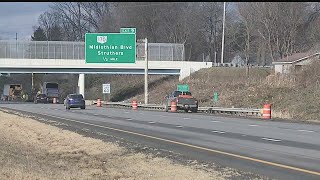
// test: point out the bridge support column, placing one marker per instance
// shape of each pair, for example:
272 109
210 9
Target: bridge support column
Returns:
185 72
81 84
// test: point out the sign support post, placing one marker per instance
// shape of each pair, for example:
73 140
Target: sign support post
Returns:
146 72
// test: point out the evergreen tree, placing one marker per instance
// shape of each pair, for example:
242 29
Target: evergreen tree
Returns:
55 33
39 35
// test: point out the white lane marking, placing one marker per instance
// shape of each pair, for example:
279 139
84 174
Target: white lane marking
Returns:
243 135
162 116
151 122
96 114
129 119
215 121
186 118
141 113
302 130
220 132
270 139
126 112
179 126
253 125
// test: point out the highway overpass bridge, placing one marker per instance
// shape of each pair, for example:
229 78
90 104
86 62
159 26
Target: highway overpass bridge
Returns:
69 57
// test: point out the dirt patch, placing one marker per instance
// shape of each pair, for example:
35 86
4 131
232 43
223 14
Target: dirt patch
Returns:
32 150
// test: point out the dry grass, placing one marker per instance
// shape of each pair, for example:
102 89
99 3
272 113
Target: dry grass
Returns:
295 96
122 86
32 150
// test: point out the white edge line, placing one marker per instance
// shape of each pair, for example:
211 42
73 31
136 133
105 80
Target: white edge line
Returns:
302 130
270 139
220 132
215 121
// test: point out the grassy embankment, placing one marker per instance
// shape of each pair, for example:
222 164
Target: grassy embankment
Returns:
294 96
33 150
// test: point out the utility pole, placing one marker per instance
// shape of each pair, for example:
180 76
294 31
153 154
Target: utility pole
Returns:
223 26
16 45
32 85
146 72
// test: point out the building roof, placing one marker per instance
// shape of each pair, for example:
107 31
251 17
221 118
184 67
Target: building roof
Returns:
295 58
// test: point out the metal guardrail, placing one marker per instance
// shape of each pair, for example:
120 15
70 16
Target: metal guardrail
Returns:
213 110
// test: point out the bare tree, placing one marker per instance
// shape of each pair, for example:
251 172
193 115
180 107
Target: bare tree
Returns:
248 20
97 14
145 16
212 26
277 23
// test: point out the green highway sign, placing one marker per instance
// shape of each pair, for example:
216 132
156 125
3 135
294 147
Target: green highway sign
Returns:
128 30
215 97
110 48
183 87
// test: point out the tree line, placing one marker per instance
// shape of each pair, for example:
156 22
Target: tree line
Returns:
259 32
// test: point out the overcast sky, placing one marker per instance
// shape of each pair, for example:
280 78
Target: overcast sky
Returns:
20 17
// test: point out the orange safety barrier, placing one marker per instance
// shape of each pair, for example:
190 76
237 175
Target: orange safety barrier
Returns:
134 105
99 104
266 112
54 101
173 106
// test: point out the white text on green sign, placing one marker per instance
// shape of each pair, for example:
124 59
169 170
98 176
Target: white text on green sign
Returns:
128 30
110 48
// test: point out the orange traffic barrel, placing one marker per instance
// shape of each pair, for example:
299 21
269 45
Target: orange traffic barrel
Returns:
54 101
173 106
266 112
99 104
134 105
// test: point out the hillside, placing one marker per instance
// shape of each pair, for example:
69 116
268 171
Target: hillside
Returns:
295 96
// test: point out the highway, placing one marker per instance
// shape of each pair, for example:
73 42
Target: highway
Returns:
278 150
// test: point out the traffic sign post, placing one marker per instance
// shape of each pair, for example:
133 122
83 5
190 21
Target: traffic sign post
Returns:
110 47
105 90
215 97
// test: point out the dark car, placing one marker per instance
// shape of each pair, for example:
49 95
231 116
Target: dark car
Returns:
41 98
74 101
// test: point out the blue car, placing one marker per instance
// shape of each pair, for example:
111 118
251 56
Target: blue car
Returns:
74 101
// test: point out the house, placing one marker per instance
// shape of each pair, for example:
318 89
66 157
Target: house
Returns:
237 61
294 62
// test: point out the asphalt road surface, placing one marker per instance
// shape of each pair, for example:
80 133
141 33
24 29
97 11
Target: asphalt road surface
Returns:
279 150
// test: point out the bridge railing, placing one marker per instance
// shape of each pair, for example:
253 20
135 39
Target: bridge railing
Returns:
76 50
